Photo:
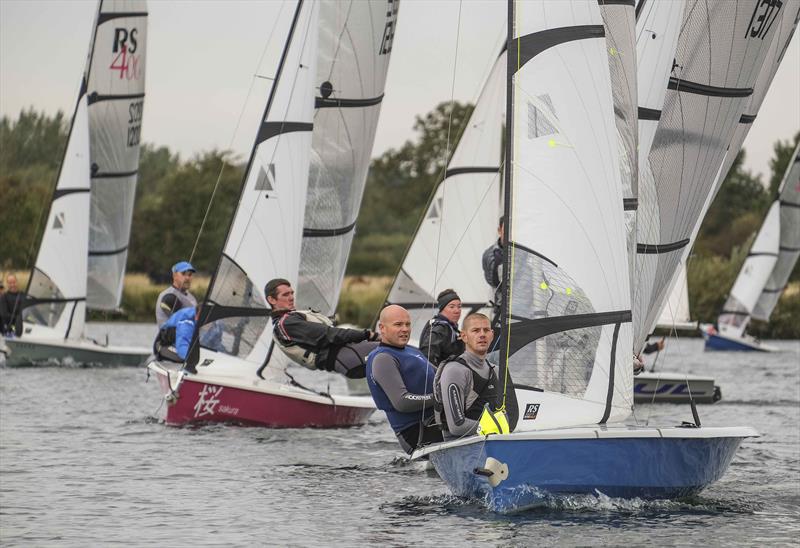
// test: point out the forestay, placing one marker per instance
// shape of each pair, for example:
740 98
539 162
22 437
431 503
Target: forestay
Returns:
115 106
568 318
263 241
789 244
355 43
721 49
460 221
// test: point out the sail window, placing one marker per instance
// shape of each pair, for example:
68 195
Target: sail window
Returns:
265 179
540 114
241 309
42 287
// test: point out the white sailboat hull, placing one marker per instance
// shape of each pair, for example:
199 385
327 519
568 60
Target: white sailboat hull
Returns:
668 387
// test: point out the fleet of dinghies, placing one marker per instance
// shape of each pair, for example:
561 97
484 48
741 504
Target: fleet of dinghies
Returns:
81 258
295 219
602 134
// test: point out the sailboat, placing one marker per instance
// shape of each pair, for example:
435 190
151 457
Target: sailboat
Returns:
765 271
568 328
294 220
81 258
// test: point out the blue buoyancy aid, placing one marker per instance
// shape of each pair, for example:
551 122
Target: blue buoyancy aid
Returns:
418 377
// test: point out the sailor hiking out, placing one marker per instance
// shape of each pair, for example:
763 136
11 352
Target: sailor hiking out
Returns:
310 339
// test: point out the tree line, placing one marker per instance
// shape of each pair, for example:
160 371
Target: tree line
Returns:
173 197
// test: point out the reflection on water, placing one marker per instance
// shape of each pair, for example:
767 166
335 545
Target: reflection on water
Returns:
84 462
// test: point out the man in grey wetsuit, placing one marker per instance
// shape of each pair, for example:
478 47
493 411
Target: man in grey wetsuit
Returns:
401 382
465 385
177 295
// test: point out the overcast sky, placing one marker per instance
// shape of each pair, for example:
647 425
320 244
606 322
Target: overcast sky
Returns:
203 55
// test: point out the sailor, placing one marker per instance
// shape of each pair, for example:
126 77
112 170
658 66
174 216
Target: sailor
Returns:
175 336
310 339
492 262
401 382
11 304
177 295
440 337
466 385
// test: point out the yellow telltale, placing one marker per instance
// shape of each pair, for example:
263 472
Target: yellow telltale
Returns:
569 291
543 285
493 423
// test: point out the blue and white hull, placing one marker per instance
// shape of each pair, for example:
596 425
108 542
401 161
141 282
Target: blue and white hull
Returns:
718 341
520 470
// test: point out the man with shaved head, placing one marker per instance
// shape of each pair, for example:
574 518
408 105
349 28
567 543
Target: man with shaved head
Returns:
401 382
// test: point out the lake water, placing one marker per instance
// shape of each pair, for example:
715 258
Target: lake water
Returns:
84 461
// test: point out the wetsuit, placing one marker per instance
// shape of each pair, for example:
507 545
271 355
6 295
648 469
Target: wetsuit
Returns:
401 383
461 389
11 313
440 340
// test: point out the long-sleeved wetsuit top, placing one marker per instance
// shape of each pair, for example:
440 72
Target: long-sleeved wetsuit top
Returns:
292 327
387 375
455 390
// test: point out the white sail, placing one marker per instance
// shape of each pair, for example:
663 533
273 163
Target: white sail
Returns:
720 53
675 314
752 277
58 280
461 219
264 239
786 23
620 24
569 330
355 43
115 97
789 244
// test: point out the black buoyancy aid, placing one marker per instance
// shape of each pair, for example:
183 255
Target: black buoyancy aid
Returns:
487 390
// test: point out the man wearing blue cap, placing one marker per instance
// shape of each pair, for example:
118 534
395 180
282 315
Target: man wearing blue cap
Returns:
177 295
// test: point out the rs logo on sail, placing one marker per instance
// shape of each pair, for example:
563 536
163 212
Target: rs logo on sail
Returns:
125 61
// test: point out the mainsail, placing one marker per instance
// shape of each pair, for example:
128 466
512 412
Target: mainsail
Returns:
720 52
355 42
116 100
461 219
263 241
57 289
567 317
771 258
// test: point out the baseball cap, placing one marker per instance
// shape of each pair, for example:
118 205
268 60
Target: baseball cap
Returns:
182 266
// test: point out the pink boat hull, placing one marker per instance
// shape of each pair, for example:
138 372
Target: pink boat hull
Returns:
200 402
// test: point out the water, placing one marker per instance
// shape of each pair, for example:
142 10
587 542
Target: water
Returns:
84 461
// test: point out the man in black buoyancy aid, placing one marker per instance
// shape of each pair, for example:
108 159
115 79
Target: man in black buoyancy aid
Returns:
440 337
465 385
309 338
400 380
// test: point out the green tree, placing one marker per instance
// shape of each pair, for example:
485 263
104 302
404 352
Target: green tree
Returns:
33 139
782 155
